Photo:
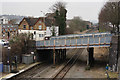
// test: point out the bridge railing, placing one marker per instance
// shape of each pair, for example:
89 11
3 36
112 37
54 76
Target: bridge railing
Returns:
83 41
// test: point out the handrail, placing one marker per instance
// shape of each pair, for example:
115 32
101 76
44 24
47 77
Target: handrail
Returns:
103 39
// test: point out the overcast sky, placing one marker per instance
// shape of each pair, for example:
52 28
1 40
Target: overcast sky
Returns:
86 9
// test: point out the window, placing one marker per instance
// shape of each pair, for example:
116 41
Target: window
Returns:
34 32
41 35
40 27
32 28
39 21
45 33
10 29
24 26
6 30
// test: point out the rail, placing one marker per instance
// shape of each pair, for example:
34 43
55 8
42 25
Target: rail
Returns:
61 74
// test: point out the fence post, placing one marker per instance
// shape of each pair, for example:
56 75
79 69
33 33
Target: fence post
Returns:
76 43
49 42
44 43
88 41
99 41
65 42
70 42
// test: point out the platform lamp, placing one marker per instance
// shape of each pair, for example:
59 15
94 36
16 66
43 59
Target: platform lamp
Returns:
8 55
8 61
34 57
44 16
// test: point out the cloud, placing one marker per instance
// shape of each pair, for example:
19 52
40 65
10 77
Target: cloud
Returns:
53 0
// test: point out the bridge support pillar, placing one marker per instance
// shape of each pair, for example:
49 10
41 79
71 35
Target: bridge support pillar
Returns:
58 55
62 54
90 58
54 56
64 51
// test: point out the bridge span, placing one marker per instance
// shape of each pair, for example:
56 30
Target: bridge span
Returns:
56 46
76 41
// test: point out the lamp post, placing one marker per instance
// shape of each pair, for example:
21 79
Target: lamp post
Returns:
8 61
118 45
33 56
44 16
8 55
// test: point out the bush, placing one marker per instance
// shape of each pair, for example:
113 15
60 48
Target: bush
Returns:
87 68
21 44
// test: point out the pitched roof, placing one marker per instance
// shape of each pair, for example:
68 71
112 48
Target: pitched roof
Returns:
31 21
50 15
49 22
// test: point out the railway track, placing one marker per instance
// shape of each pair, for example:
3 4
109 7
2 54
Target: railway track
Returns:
60 75
31 73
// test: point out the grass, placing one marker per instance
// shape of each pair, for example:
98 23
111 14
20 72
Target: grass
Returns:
87 68
113 74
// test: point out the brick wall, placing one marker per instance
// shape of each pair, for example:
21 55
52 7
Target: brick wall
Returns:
113 61
24 22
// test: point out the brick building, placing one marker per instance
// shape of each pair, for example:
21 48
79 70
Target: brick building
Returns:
8 30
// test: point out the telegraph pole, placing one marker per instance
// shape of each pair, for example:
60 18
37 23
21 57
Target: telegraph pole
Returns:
118 45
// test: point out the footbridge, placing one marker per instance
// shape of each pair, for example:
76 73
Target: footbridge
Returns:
76 41
57 46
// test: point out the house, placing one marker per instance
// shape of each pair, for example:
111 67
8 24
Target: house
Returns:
8 30
68 23
50 26
4 20
36 26
88 24
32 24
40 27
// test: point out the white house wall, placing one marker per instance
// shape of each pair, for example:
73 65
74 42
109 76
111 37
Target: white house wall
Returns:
49 31
36 36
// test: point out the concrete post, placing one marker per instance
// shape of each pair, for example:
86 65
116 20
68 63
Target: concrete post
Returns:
58 55
65 53
54 56
62 54
90 59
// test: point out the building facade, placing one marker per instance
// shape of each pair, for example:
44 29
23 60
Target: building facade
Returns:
9 30
36 26
4 20
40 27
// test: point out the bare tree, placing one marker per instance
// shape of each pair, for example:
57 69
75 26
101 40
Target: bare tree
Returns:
21 44
76 24
110 15
58 6
60 16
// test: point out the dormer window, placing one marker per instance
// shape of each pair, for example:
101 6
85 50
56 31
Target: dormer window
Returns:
24 26
32 28
40 27
40 21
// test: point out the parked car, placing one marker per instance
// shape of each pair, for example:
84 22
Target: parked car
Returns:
4 42
47 38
